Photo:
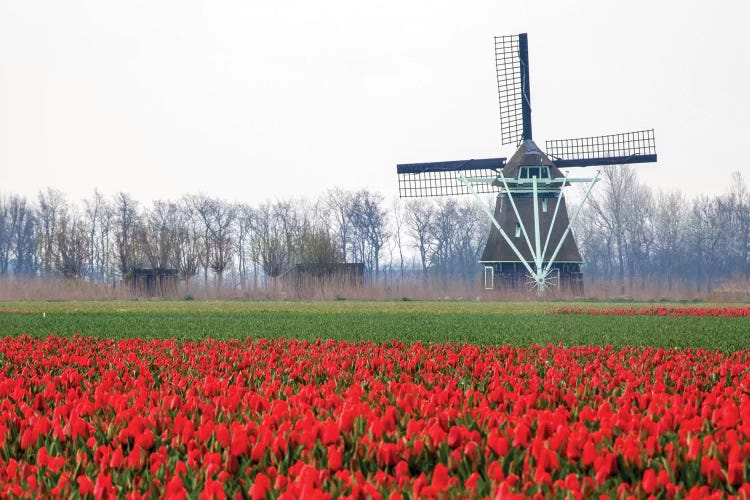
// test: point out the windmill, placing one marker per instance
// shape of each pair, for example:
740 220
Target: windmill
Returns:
530 238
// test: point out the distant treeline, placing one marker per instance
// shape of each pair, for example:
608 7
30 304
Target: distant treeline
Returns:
632 235
627 234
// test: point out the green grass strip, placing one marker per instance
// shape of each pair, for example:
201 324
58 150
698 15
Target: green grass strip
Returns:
477 323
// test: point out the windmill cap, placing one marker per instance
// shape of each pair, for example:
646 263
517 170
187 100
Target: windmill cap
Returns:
528 154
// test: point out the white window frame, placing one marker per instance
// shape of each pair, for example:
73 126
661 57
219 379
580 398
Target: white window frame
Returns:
489 284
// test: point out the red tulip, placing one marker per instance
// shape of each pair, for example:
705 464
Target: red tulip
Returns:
334 458
260 487
85 486
175 488
329 432
649 481
239 444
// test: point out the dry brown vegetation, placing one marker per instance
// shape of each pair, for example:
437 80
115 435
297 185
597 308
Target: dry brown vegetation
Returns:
25 289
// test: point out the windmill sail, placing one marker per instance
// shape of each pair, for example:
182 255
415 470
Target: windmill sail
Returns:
615 149
513 88
418 180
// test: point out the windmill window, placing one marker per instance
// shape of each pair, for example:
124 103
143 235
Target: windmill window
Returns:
518 230
544 204
531 172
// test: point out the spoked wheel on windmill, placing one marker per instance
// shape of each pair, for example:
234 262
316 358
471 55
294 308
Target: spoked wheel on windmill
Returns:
530 241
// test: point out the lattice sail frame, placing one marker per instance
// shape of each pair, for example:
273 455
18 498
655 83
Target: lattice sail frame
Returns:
628 147
509 88
431 184
422 180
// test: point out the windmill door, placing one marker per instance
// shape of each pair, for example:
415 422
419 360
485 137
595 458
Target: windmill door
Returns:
489 278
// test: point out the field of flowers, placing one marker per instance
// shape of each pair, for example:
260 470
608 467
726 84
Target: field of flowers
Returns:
283 418
674 312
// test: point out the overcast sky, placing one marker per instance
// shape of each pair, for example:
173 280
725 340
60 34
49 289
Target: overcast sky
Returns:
252 101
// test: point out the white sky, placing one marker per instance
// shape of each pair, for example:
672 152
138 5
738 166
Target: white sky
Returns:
251 101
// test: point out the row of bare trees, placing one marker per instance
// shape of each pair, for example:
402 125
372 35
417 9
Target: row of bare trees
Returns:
634 236
207 240
628 234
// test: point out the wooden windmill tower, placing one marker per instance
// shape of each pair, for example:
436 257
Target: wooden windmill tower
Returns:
530 239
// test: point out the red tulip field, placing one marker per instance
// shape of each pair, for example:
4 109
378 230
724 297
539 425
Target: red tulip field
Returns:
102 417
701 312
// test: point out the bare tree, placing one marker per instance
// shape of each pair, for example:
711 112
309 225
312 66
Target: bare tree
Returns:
339 205
188 243
611 208
216 218
445 228
220 221
273 251
18 243
399 220
71 247
158 234
472 229
50 203
127 221
738 201
5 236
639 233
669 230
98 215
370 221
594 244
420 216
291 223
708 238
200 210
244 225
